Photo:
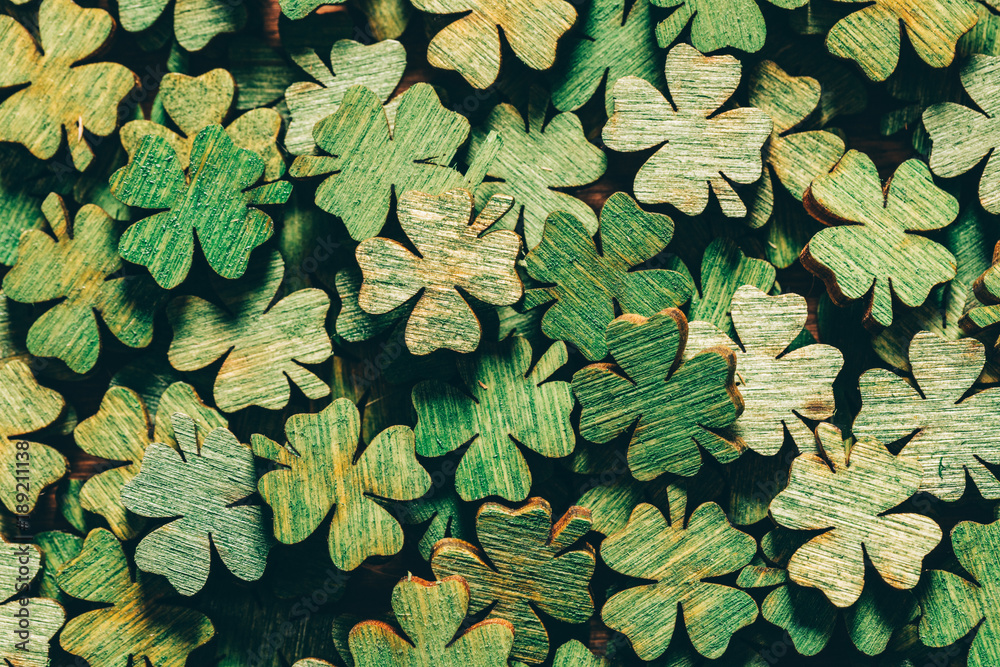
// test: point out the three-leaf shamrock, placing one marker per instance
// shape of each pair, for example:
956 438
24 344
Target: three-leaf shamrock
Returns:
778 388
27 624
264 345
471 45
697 152
196 22
454 253
610 46
673 405
531 566
954 607
716 24
371 161
499 407
846 491
588 284
870 36
533 161
431 614
216 206
963 137
121 431
134 625
198 485
678 558
323 471
870 250
78 268
949 438
194 103
378 66
59 93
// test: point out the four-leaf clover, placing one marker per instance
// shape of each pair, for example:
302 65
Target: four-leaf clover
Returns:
696 150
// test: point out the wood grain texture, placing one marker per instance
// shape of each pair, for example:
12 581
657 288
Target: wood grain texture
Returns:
984 311
717 24
499 406
471 44
20 199
870 36
371 161
677 557
354 324
872 249
779 386
195 22
535 159
576 654
846 490
531 566
698 152
26 407
80 269
121 431
215 202
963 137
724 269
673 405
795 158
135 624
55 93
607 46
379 67
954 607
20 647
949 439
197 485
324 472
457 251
587 284
431 615
264 342
194 103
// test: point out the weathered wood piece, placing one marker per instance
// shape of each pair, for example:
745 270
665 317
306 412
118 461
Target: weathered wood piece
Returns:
948 425
54 92
457 251
872 249
531 565
216 205
576 654
724 269
779 387
499 407
954 607
121 431
197 485
323 471
441 511
431 615
135 625
58 548
846 491
264 343
21 196
195 22
194 103
698 152
379 67
587 284
471 44
535 158
716 24
24 644
871 37
609 46
963 137
371 160
678 557
26 467
79 268
673 405
795 158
